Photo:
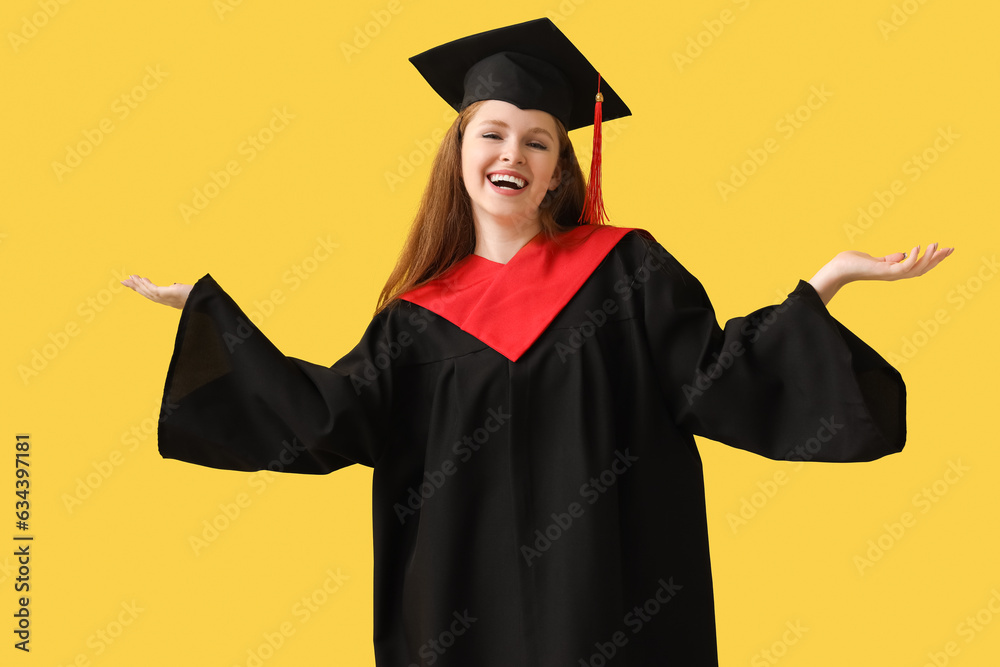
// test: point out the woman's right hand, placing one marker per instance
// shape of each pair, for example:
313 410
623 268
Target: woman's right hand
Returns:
169 295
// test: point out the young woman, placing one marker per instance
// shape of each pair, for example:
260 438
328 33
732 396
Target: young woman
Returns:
529 390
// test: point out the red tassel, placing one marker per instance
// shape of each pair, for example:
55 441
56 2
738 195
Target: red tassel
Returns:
593 206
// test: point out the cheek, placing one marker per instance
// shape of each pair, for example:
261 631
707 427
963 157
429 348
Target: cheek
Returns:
544 172
470 164
467 168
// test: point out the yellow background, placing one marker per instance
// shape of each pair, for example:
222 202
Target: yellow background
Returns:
107 542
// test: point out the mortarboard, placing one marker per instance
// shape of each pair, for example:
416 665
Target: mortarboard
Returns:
531 65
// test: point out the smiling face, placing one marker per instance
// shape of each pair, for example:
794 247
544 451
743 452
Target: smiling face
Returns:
510 160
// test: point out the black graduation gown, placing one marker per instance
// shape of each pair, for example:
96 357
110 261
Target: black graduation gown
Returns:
548 511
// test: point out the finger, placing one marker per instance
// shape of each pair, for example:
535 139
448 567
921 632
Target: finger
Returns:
923 264
146 288
902 268
920 261
931 258
133 279
894 258
132 282
939 256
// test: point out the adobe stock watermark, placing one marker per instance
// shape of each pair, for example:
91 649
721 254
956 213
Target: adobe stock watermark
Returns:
101 470
303 610
610 133
7 569
31 24
583 332
387 352
223 7
259 482
752 328
584 155
923 501
57 341
786 127
900 15
295 276
121 108
427 147
625 288
704 39
779 648
973 625
102 639
370 30
957 298
591 491
434 648
463 450
750 506
635 620
248 150
565 9
914 167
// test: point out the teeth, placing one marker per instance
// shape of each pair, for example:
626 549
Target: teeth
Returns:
520 183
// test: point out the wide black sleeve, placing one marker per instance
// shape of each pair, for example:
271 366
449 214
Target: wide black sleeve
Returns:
232 400
787 381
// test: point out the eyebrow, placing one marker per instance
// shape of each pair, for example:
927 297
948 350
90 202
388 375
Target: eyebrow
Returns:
500 123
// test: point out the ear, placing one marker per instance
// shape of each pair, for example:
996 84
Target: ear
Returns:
556 177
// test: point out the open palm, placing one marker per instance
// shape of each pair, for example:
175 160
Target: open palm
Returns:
169 295
856 265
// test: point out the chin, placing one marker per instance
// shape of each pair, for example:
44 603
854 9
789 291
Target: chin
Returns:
512 214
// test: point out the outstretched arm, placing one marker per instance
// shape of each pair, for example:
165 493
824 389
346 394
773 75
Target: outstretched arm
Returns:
852 265
169 295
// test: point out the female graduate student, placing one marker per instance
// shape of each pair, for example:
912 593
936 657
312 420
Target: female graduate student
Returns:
529 390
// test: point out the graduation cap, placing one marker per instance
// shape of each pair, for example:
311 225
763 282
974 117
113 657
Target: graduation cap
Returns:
531 65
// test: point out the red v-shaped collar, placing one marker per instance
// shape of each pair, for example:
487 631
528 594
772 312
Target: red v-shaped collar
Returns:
508 306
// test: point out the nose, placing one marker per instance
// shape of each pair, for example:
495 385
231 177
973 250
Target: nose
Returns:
511 153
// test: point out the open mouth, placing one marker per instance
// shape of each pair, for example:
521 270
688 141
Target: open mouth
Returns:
507 181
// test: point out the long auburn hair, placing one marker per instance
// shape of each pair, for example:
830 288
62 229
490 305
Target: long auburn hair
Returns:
443 231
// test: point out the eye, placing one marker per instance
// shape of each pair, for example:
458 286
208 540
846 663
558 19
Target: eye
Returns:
538 145
491 135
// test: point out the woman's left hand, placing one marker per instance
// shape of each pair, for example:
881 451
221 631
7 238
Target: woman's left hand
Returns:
852 265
